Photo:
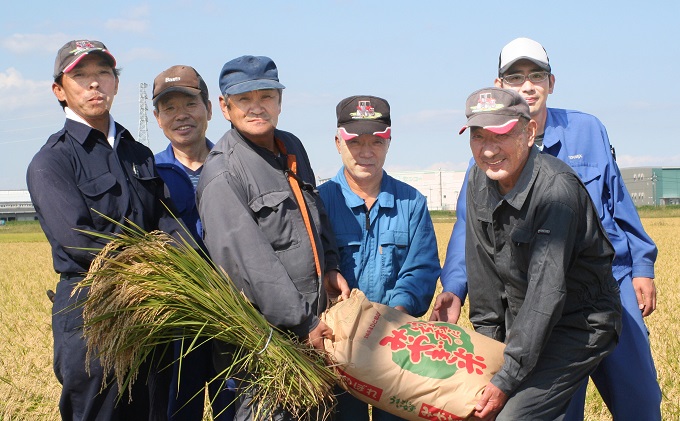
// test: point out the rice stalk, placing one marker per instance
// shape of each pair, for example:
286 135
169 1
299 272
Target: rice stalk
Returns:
145 290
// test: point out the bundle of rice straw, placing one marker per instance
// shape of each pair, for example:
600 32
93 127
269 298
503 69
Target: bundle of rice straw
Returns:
146 290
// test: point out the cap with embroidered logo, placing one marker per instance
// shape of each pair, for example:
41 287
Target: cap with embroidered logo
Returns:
73 51
363 114
495 109
522 49
179 79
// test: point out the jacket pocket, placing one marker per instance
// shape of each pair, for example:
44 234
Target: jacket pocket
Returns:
349 246
274 212
590 176
100 194
521 248
393 251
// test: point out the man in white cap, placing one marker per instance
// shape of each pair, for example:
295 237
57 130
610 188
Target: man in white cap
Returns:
542 279
581 141
93 167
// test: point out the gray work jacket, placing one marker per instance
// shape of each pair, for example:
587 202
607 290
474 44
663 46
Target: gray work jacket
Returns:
253 228
538 258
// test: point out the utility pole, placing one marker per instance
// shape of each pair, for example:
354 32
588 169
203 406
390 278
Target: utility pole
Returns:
143 133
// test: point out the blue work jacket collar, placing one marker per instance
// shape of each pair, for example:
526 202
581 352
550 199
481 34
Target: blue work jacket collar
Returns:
385 198
168 155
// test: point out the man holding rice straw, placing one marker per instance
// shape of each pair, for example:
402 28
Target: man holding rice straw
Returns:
263 220
92 169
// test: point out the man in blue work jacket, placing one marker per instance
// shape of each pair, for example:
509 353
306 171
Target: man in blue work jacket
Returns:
182 110
90 168
382 226
626 379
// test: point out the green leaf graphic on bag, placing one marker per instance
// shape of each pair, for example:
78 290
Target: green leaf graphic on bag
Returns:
436 350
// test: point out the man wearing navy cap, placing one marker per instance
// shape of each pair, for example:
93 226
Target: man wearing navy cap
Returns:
93 167
263 220
542 279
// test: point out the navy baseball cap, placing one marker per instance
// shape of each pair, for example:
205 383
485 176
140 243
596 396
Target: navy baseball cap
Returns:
249 73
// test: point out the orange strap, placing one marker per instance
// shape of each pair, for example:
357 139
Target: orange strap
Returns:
295 185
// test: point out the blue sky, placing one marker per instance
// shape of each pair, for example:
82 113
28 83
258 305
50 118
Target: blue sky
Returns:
616 60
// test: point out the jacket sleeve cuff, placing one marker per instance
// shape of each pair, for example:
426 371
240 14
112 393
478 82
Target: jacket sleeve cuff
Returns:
504 382
645 270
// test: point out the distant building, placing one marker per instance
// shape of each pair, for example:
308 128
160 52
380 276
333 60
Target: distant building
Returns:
653 186
440 187
16 205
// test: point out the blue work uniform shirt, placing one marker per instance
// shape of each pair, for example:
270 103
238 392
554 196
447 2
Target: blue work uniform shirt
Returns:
390 251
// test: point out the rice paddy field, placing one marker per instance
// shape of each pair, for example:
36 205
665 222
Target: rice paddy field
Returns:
29 390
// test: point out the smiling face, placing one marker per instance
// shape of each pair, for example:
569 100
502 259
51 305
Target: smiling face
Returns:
89 89
183 118
255 114
503 156
363 157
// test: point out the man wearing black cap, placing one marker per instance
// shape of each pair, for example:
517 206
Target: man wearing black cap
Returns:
93 166
182 109
263 220
581 140
383 228
542 279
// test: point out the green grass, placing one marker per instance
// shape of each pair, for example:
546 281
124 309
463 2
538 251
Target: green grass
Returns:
21 232
29 390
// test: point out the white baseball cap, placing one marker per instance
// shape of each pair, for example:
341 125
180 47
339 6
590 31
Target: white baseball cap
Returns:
522 49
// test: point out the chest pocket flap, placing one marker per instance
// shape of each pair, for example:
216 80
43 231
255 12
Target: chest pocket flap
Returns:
397 238
268 200
345 240
587 173
98 185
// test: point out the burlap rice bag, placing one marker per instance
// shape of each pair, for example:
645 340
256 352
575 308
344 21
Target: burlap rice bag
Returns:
414 369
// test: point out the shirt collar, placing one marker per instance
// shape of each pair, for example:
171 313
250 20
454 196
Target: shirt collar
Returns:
385 198
110 137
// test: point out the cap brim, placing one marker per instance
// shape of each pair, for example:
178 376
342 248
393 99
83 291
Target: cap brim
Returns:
385 133
98 51
253 85
542 65
359 127
502 129
183 89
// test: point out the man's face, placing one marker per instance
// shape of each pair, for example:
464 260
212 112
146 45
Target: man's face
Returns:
183 118
502 156
535 94
254 113
363 157
89 88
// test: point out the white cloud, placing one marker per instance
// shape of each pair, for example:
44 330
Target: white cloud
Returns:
17 92
30 43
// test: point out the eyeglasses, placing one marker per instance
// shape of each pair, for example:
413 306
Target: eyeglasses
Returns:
519 79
